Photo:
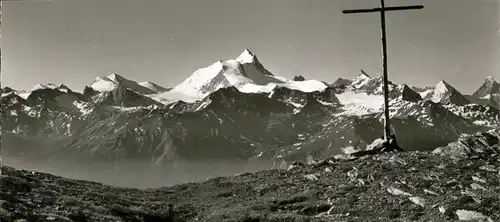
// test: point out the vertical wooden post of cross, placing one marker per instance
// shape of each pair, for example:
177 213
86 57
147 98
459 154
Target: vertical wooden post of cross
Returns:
382 10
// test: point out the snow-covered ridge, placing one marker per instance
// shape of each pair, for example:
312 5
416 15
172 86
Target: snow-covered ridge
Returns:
59 87
153 86
26 93
307 86
113 81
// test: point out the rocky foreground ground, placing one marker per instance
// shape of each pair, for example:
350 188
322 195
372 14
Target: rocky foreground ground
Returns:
408 186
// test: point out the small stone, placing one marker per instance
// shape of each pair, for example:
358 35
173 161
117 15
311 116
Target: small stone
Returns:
489 168
430 192
330 210
311 177
418 201
295 164
344 157
397 192
442 209
371 178
468 215
353 174
349 150
395 159
361 182
476 186
478 179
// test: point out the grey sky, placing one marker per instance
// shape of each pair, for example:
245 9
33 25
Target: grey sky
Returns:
72 42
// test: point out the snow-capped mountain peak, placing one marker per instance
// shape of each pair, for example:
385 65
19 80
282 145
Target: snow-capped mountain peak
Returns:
245 73
246 57
245 69
200 78
115 78
441 91
445 93
103 84
360 80
441 88
363 74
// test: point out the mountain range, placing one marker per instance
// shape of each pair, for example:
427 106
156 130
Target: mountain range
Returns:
234 110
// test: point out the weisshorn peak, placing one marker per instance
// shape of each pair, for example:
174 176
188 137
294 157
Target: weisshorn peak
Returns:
245 73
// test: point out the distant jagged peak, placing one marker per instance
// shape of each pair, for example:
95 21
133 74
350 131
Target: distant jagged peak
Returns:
446 93
246 57
363 74
363 82
253 67
360 80
443 84
490 86
408 94
113 81
442 87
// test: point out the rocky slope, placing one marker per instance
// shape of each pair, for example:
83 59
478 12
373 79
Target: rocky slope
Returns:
408 186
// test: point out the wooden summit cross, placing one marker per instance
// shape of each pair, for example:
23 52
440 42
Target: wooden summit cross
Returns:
382 10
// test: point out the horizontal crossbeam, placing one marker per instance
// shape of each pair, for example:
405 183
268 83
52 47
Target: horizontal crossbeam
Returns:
393 8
